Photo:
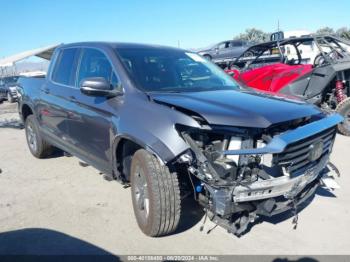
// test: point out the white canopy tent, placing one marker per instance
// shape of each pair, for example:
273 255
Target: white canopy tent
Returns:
44 52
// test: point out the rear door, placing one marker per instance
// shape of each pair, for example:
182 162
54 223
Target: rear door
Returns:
236 48
54 106
221 50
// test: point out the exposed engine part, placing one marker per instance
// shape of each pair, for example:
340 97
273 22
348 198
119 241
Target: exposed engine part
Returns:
239 176
237 224
209 163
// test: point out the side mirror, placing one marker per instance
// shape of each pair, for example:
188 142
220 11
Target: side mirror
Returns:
98 86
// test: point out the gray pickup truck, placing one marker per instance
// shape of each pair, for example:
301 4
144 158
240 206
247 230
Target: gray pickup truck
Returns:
172 124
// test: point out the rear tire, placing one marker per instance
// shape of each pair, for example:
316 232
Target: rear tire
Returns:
37 145
248 54
344 109
155 195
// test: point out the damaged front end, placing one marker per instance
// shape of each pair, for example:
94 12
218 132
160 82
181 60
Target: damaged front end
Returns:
238 174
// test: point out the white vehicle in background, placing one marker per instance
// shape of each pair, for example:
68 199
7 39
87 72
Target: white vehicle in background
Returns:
297 34
307 50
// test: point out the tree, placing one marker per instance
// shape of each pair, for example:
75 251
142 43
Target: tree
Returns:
344 32
253 35
325 31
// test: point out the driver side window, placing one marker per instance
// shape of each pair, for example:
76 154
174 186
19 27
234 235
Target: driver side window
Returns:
95 64
236 44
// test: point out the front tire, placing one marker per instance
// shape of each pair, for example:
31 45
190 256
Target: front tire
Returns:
37 145
344 109
155 195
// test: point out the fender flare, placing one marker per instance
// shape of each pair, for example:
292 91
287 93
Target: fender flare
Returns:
118 138
21 105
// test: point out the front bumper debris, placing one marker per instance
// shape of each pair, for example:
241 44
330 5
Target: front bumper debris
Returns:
235 191
269 207
285 185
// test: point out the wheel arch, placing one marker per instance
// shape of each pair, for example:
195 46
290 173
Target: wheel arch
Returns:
124 146
208 55
26 110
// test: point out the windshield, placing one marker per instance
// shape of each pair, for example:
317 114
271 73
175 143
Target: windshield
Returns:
166 70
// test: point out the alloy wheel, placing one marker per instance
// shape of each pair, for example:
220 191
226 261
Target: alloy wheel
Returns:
32 138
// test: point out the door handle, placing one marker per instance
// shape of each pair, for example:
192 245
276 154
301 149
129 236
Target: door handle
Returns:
73 99
45 90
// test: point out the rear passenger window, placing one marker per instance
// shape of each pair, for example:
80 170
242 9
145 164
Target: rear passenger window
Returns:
95 64
65 69
236 44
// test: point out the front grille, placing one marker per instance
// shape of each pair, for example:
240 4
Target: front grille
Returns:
296 155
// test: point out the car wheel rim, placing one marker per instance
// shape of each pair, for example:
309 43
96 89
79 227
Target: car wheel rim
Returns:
346 122
141 194
32 139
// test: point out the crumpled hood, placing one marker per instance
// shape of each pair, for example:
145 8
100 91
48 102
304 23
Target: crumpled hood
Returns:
236 108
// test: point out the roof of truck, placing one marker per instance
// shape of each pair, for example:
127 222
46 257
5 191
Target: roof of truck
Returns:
46 52
120 45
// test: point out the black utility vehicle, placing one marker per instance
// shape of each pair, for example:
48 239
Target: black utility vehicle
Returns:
172 124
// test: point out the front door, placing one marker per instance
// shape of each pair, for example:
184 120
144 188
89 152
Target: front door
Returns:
90 125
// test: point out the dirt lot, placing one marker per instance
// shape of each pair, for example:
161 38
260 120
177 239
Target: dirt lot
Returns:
57 206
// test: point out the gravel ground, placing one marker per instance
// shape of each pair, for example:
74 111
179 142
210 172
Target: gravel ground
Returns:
56 206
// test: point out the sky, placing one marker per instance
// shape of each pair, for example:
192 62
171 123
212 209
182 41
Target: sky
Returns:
28 24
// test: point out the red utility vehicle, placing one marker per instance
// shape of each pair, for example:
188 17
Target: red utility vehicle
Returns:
320 76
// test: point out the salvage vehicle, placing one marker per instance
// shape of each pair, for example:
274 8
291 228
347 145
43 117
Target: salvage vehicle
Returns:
170 124
279 67
224 50
8 89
